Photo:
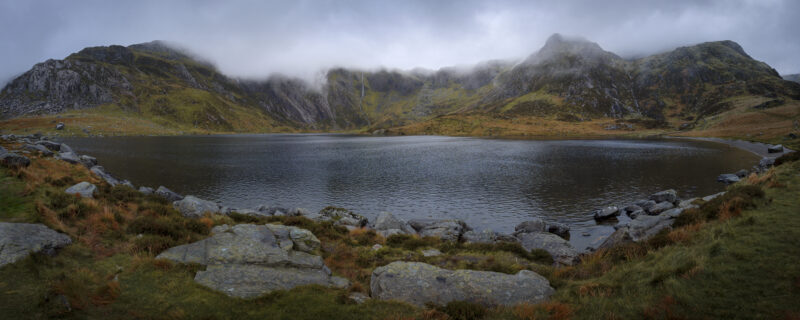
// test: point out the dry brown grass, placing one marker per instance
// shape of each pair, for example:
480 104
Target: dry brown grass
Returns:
744 122
548 310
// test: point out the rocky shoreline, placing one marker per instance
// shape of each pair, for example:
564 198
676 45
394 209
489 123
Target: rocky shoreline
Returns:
249 260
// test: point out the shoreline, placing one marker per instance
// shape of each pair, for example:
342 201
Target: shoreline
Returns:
757 148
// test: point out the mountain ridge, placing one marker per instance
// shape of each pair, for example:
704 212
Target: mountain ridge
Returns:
567 75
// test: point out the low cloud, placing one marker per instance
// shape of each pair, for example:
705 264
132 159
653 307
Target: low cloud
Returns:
253 39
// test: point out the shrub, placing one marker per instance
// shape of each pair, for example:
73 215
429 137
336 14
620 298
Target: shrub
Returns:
730 204
122 193
68 206
243 218
410 242
172 227
786 158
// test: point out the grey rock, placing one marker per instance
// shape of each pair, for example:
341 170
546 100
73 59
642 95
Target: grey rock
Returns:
728 178
633 208
194 207
52 146
387 221
661 207
108 178
249 260
646 226
713 196
431 253
563 253
343 217
13 160
775 149
38 148
85 189
532 225
60 126
68 156
390 232
18 240
672 213
88 161
605 213
485 236
645 204
419 283
559 229
447 230
168 194
635 214
146 190
619 237
688 203
666 195
765 163
65 148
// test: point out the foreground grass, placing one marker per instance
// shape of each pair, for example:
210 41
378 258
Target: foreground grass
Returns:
735 257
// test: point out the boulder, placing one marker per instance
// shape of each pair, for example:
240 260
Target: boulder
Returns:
563 253
13 160
194 207
88 161
485 236
303 239
765 163
713 196
101 172
85 189
646 226
60 126
168 194
661 207
68 156
672 213
645 204
532 225
775 149
619 237
666 195
689 203
447 230
343 217
18 240
387 221
728 178
52 146
38 148
605 213
65 148
633 208
418 284
249 260
559 229
636 213
146 190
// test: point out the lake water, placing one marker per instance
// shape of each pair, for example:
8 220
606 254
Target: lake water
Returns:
489 183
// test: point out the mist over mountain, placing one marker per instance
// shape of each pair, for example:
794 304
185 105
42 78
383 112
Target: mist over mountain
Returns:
567 76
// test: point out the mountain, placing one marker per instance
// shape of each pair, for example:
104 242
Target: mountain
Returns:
568 78
792 77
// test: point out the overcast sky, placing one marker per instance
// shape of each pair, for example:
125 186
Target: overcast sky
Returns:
256 38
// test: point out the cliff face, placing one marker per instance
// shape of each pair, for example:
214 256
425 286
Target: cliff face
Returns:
567 76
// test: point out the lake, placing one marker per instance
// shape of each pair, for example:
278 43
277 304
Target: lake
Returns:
489 183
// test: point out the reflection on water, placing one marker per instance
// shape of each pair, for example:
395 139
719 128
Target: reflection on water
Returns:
488 183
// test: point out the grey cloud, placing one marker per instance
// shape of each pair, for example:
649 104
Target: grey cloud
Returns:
253 39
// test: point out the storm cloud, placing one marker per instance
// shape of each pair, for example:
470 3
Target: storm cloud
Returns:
253 39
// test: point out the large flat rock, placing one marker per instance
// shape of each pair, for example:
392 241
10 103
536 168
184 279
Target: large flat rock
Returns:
18 240
563 253
419 283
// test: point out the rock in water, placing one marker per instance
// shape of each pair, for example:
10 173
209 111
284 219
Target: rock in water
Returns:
563 253
249 260
775 149
533 225
605 213
88 161
53 146
85 189
666 195
728 178
18 240
342 217
194 207
68 156
661 207
168 194
419 283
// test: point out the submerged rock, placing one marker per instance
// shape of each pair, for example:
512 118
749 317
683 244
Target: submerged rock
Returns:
419 283
249 260
85 189
18 240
